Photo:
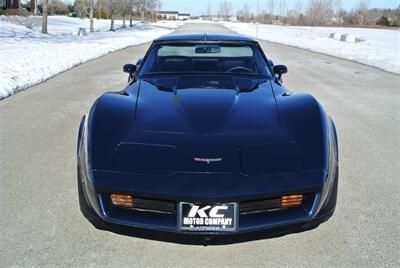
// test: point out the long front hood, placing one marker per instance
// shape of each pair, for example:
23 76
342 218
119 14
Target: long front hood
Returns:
206 111
155 132
184 131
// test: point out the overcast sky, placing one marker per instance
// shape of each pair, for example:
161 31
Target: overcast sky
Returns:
198 7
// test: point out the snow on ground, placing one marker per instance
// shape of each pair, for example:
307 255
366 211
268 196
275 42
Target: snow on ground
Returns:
170 24
380 48
28 57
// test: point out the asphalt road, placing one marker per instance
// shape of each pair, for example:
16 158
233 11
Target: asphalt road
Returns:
41 225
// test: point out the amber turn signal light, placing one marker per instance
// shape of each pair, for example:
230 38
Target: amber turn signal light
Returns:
294 200
121 200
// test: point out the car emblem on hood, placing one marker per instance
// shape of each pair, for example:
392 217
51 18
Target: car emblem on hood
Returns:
207 160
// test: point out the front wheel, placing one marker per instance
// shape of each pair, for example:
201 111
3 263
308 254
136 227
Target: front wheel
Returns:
330 205
85 207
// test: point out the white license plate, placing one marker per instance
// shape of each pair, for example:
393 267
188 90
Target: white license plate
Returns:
208 217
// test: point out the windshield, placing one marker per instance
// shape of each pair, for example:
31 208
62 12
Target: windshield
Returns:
205 58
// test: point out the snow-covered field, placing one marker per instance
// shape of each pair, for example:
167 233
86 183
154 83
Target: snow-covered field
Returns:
380 48
28 57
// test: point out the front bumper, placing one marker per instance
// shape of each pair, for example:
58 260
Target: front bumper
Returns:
314 184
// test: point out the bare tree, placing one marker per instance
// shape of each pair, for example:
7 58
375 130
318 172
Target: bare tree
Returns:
225 8
134 4
158 5
245 14
313 12
293 15
336 5
319 11
86 8
208 11
91 11
152 6
298 6
34 7
79 7
337 9
44 16
361 11
125 9
142 5
271 8
282 8
57 7
113 8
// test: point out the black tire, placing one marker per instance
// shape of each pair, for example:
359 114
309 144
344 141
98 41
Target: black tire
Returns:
85 208
329 207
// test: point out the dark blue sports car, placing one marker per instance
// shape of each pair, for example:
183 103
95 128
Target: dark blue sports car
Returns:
205 140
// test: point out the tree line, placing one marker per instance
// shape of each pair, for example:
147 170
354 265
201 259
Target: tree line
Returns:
303 12
311 12
101 9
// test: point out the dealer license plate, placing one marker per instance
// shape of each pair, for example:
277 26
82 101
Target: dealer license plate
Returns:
208 218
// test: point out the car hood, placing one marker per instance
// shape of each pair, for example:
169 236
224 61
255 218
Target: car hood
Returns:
207 130
184 108
170 127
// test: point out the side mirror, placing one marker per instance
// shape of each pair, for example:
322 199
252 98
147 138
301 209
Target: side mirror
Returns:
280 70
130 69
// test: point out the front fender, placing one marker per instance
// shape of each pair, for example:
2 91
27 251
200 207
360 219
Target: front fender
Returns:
111 119
80 134
307 123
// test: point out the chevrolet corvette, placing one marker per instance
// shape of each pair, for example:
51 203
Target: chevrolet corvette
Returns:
205 139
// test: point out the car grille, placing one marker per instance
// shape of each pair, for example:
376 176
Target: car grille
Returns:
154 205
248 207
245 207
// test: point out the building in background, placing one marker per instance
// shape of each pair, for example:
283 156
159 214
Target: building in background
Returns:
183 16
168 15
172 15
